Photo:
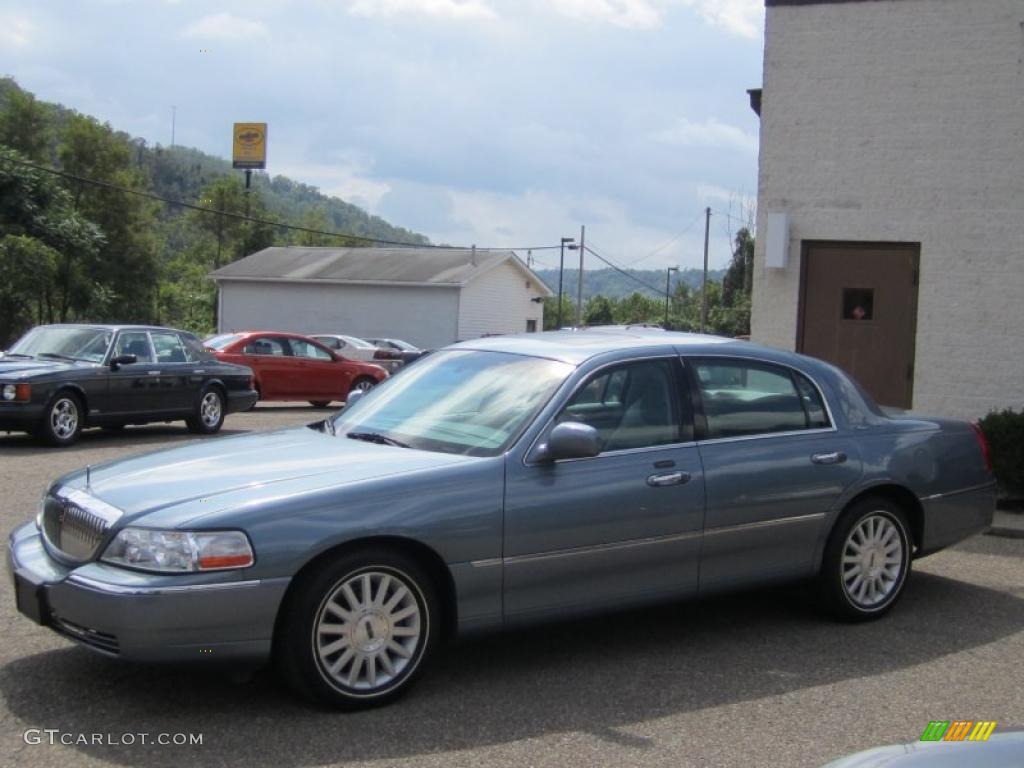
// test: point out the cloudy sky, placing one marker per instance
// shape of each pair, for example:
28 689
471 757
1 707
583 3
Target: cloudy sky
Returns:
495 122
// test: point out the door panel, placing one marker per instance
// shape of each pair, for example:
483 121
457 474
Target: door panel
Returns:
132 386
618 527
859 311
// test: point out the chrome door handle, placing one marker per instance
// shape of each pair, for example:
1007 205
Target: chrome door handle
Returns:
837 457
153 373
673 478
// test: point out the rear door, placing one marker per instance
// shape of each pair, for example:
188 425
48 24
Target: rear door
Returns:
176 392
774 466
619 527
270 359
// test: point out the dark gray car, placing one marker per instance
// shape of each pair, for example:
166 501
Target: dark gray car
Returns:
496 482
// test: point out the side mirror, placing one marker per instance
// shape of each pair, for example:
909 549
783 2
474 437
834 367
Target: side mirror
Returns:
353 397
570 440
120 360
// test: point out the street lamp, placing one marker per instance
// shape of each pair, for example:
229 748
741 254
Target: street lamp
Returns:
561 268
668 277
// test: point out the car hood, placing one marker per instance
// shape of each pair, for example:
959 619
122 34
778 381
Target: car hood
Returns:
20 368
254 467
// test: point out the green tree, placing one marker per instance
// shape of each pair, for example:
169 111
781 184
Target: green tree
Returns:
738 277
29 267
126 265
639 308
599 311
551 312
40 227
25 124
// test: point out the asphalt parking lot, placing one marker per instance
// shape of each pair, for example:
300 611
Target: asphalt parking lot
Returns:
747 680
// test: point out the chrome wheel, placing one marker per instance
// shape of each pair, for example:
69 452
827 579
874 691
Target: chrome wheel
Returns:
64 418
210 409
873 561
368 631
363 385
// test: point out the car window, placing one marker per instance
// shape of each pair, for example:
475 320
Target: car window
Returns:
134 343
630 406
220 341
265 346
743 397
168 347
302 348
330 342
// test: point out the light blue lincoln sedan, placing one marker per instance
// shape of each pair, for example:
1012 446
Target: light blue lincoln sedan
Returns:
504 480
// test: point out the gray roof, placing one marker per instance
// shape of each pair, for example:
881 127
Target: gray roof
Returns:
406 266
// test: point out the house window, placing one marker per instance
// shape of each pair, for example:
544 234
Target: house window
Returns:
858 304
531 326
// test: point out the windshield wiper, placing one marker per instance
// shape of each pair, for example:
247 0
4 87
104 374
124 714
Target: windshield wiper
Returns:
16 354
377 437
58 356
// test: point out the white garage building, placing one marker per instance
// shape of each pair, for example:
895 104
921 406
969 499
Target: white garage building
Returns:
427 296
890 234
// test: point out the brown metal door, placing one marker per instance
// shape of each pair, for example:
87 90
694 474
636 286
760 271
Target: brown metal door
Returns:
859 311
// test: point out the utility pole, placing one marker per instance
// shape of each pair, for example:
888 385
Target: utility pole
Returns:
579 289
668 278
174 115
561 269
704 284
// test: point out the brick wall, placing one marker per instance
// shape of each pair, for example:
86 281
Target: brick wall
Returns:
903 120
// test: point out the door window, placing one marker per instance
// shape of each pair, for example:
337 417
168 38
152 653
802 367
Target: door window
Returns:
308 350
630 406
168 348
134 343
265 346
747 398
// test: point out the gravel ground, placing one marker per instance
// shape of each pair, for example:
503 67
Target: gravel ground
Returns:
757 679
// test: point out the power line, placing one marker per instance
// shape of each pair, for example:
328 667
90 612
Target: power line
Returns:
663 246
255 220
627 274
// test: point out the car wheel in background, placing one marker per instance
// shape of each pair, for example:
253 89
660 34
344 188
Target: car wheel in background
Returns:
62 420
362 384
320 403
867 560
209 415
357 631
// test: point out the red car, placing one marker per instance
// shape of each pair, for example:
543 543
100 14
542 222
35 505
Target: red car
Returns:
288 366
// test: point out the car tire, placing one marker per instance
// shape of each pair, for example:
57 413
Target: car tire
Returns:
362 384
62 420
359 630
320 403
209 413
867 561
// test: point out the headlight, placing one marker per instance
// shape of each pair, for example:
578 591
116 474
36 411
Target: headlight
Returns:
179 551
16 392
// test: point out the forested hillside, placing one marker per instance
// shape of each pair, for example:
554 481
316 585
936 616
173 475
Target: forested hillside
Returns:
615 285
93 244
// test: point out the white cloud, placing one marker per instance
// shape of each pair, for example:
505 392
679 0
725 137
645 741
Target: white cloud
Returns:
740 17
15 30
631 14
346 177
224 26
710 133
455 9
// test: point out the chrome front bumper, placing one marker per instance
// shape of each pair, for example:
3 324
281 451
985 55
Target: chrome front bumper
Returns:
144 617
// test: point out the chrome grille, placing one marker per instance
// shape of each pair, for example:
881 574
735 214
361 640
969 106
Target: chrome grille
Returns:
75 524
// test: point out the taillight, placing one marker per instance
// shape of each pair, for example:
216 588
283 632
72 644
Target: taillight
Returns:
986 453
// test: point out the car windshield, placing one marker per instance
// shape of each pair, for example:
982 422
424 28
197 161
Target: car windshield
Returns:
221 341
466 402
89 344
360 343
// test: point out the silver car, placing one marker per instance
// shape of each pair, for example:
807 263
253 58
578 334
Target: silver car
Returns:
496 482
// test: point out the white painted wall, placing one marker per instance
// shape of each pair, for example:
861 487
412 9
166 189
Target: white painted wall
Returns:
427 317
498 301
903 120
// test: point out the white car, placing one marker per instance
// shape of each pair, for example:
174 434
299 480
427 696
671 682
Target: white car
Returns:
354 348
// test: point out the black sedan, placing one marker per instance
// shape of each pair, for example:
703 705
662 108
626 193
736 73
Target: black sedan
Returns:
58 379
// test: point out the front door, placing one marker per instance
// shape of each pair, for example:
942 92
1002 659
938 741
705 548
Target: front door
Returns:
859 311
616 528
134 386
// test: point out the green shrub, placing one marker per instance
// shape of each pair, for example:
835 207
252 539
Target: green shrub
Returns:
1004 431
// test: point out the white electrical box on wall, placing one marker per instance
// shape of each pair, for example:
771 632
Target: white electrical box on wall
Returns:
776 247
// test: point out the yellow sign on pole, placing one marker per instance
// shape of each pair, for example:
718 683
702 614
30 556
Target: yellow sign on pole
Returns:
250 146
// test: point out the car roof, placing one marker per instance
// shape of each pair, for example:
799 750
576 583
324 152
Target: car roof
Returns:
578 345
115 327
